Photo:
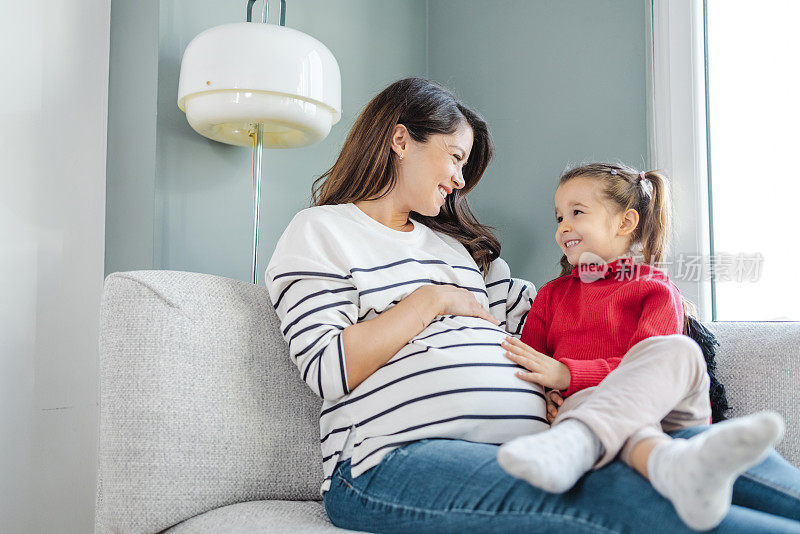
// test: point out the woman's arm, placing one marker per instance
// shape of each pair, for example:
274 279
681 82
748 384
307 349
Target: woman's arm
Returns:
368 345
509 298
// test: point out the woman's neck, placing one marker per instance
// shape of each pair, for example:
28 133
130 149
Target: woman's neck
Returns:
384 211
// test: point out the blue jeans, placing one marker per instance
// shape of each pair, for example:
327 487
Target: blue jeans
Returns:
444 485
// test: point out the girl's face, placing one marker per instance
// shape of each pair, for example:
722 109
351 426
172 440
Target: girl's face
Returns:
432 170
588 231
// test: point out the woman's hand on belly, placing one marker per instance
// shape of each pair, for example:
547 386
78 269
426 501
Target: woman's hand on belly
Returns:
458 301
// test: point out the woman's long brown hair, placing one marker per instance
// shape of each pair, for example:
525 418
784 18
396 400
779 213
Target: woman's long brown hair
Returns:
366 166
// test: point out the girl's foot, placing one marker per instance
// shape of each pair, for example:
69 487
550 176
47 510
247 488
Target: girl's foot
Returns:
552 460
697 474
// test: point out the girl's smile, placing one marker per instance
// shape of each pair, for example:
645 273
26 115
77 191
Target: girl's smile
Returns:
587 229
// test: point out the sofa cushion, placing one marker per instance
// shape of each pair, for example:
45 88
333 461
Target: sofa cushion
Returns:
261 517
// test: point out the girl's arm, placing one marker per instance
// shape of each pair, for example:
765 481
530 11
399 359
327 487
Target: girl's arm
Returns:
531 350
662 311
661 315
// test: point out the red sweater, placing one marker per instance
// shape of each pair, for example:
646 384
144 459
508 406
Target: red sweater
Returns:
589 318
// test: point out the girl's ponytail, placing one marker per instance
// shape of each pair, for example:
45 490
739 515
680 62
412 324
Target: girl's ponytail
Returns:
655 215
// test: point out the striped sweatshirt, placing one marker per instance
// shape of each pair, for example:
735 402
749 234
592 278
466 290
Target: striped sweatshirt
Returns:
335 266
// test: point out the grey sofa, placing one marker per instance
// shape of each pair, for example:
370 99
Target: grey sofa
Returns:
206 426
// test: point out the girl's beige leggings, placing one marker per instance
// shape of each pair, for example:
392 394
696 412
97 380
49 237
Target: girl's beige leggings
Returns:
660 385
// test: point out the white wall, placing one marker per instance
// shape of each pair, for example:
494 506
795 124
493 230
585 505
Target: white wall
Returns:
53 112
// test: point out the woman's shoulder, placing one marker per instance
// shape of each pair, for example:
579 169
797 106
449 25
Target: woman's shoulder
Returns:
308 233
317 220
317 216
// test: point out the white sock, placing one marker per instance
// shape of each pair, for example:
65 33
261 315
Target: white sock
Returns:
697 474
552 460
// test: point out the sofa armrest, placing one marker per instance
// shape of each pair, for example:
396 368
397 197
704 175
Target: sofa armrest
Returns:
200 406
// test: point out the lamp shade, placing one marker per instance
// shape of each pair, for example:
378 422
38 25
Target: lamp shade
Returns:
236 75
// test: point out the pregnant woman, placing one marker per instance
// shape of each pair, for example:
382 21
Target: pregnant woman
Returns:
394 302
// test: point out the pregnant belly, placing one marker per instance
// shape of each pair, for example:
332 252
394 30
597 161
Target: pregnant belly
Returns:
455 369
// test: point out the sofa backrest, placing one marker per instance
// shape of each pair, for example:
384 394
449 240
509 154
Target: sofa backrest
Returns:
201 407
759 365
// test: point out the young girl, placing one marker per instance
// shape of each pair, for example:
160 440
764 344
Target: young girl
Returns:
610 302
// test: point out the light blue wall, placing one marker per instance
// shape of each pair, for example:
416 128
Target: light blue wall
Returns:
203 199
131 158
558 81
177 200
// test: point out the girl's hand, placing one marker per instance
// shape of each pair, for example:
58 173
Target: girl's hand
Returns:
554 401
544 370
458 301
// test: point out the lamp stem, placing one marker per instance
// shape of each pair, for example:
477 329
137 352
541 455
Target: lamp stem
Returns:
265 12
257 198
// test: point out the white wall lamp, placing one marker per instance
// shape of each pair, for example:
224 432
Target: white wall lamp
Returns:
259 85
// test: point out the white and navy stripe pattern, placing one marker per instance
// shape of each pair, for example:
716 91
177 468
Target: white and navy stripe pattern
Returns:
335 266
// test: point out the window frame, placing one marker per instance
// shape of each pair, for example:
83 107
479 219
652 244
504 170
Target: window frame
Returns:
677 128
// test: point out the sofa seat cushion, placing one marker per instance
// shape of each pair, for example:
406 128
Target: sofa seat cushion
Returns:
261 517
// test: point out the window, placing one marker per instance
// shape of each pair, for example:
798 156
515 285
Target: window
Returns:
722 80
753 117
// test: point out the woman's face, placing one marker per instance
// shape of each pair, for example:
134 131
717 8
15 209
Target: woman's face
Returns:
431 170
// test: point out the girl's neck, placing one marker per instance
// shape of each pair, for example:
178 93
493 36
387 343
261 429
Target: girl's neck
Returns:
625 255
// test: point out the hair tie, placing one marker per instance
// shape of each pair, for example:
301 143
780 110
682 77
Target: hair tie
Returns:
648 185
